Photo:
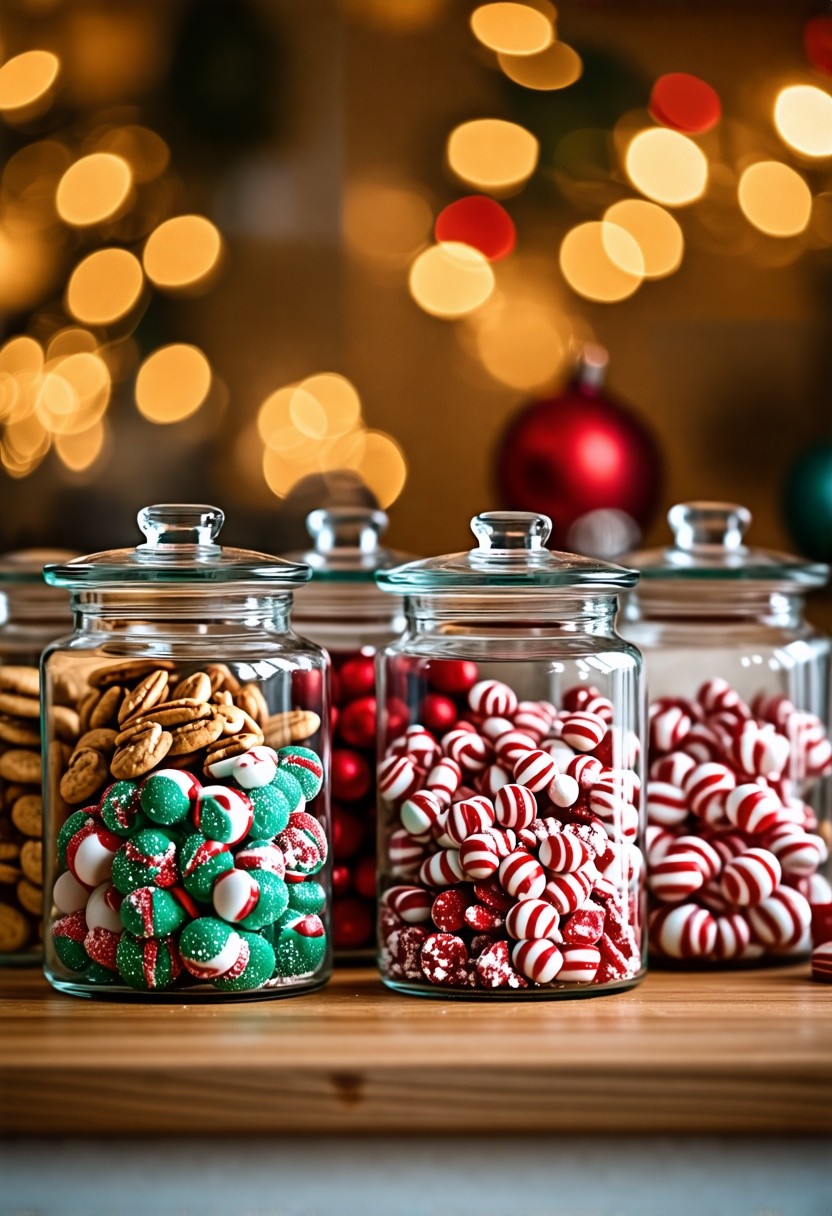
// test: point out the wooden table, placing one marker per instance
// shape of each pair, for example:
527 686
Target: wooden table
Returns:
745 1053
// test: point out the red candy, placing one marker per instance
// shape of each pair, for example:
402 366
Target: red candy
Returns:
448 910
352 924
452 676
442 957
494 969
357 677
438 713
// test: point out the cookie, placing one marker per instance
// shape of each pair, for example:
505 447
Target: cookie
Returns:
66 723
14 929
19 705
196 687
84 777
106 711
20 765
128 671
30 897
23 680
292 726
172 713
149 692
27 815
250 699
31 861
142 753
20 734
9 872
193 736
225 748
102 739
221 677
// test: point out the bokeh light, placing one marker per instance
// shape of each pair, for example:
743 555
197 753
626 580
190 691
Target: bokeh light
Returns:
590 270
70 341
24 444
803 117
658 235
90 384
381 465
555 68
172 383
667 167
182 252
522 343
26 80
775 198
492 154
338 399
22 358
146 153
515 29
93 189
450 280
385 222
80 452
27 269
104 286
685 103
480 222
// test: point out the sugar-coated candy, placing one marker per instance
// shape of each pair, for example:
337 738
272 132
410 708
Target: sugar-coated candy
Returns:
441 958
495 970
410 904
261 855
682 931
478 855
148 964
420 812
532 919
442 869
753 809
224 814
448 910
68 934
202 861
580 964
676 876
300 946
564 852
468 817
492 698
305 766
101 946
566 892
167 795
398 778
666 804
404 853
733 937
584 926
289 786
539 960
250 898
154 912
253 968
74 822
782 920
583 731
148 858
90 853
751 877
522 876
304 846
306 897
515 806
822 963
103 910
445 778
255 768
120 809
563 790
270 811
209 947
68 894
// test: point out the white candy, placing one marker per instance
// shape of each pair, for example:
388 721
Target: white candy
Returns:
103 909
69 895
254 768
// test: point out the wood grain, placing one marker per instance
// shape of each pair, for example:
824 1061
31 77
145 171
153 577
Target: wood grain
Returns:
744 1052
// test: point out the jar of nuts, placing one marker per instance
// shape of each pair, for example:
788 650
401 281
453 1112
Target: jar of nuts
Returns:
31 616
186 828
343 610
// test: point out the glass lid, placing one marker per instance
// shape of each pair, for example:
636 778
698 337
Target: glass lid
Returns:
347 544
511 554
708 544
180 546
25 566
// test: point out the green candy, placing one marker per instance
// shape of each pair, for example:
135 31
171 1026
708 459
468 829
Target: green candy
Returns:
148 858
202 861
147 965
68 935
99 975
305 766
291 789
301 945
120 810
306 897
258 969
273 901
166 796
75 821
209 947
271 812
152 912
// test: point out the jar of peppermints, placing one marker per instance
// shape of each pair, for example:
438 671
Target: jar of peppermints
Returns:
343 610
509 777
186 834
738 791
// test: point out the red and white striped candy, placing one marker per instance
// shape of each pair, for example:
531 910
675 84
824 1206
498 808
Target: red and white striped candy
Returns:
580 964
707 787
531 920
727 844
563 790
539 960
492 698
822 963
657 841
676 876
601 706
710 861
444 778
492 779
733 937
560 751
811 750
420 812
580 697
421 746
235 895
564 853
468 817
620 817
583 731
492 728
619 749
782 921
521 875
666 804
443 869
773 707
512 745
398 778
717 696
532 721
566 892
90 853
404 853
750 878
712 898
584 769
672 768
470 750
534 770
505 839
751 808
411 904
684 931
817 889
515 806
478 856
758 751
439 831
798 852
702 743
669 724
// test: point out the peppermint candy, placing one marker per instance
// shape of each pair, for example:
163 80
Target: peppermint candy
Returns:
492 779
492 698
470 751
676 876
669 725
512 746
404 853
563 790
398 778
717 696
515 806
443 869
800 853
707 787
444 779
566 892
522 876
580 964
782 921
466 818
733 937
709 859
410 904
478 856
684 931
752 808
583 731
531 720
421 746
758 751
672 768
535 770
420 812
533 919
751 878
667 805
564 853
539 960
584 769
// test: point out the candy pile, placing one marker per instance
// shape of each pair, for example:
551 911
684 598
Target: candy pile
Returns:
165 881
733 850
511 856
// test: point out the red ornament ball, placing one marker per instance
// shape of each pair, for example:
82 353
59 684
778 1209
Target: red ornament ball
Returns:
335 687
364 877
357 722
398 717
347 831
340 880
307 688
480 222
352 924
452 676
358 677
685 103
817 42
437 713
351 776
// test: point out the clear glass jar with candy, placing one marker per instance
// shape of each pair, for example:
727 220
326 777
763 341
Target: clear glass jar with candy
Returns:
186 828
510 860
738 791
31 616
342 609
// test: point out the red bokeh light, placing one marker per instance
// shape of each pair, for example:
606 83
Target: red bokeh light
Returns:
686 103
817 42
480 222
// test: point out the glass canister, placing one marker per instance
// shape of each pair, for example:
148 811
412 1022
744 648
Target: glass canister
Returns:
737 802
31 616
186 829
343 610
509 774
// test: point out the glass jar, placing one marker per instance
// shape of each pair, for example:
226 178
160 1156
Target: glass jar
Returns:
342 610
739 757
186 830
509 774
31 616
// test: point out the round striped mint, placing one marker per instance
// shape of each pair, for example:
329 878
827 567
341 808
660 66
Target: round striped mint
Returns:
539 960
478 856
492 779
657 841
707 787
758 751
702 743
584 769
505 839
511 746
532 721
443 869
684 931
492 728
470 750
580 964
439 830
564 853
420 812
468 817
421 746
535 770
531 919
560 751
492 698
584 731
799 852
672 768
521 875
710 861
669 724
676 877
716 696
566 892
666 804
563 790
515 806
822 963
398 778
781 921
445 778
733 937
751 808
411 904
404 853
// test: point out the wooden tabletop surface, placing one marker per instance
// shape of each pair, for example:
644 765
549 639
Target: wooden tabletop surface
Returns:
742 1052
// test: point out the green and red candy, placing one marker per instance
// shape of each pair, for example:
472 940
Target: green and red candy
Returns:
68 936
153 912
168 795
90 854
210 948
304 846
224 814
305 766
101 946
254 972
148 964
202 861
261 855
251 898
148 859
73 824
271 811
300 946
120 809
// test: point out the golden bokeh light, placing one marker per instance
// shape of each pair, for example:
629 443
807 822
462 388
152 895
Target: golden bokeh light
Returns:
522 344
27 79
78 453
667 167
93 189
146 153
22 358
28 267
274 415
283 468
803 117
182 252
555 68
90 384
658 235
401 17
385 222
172 383
307 415
450 280
337 397
591 271
71 340
775 198
380 463
24 444
104 286
515 29
492 154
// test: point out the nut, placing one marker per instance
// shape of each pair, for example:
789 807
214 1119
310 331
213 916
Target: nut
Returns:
221 677
250 698
128 671
105 713
172 713
193 736
141 753
290 727
196 687
102 739
86 774
86 706
148 693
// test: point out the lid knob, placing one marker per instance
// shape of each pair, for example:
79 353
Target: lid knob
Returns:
180 523
358 528
698 525
511 530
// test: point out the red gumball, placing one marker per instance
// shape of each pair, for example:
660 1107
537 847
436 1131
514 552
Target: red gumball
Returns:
351 776
357 723
358 677
453 676
334 715
307 689
364 877
397 717
347 831
340 880
352 924
437 712
335 687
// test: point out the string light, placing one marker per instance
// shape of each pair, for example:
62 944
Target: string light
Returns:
172 383
555 68
591 271
93 189
27 80
492 154
667 167
515 29
803 117
182 252
450 280
658 235
775 198
79 453
104 286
